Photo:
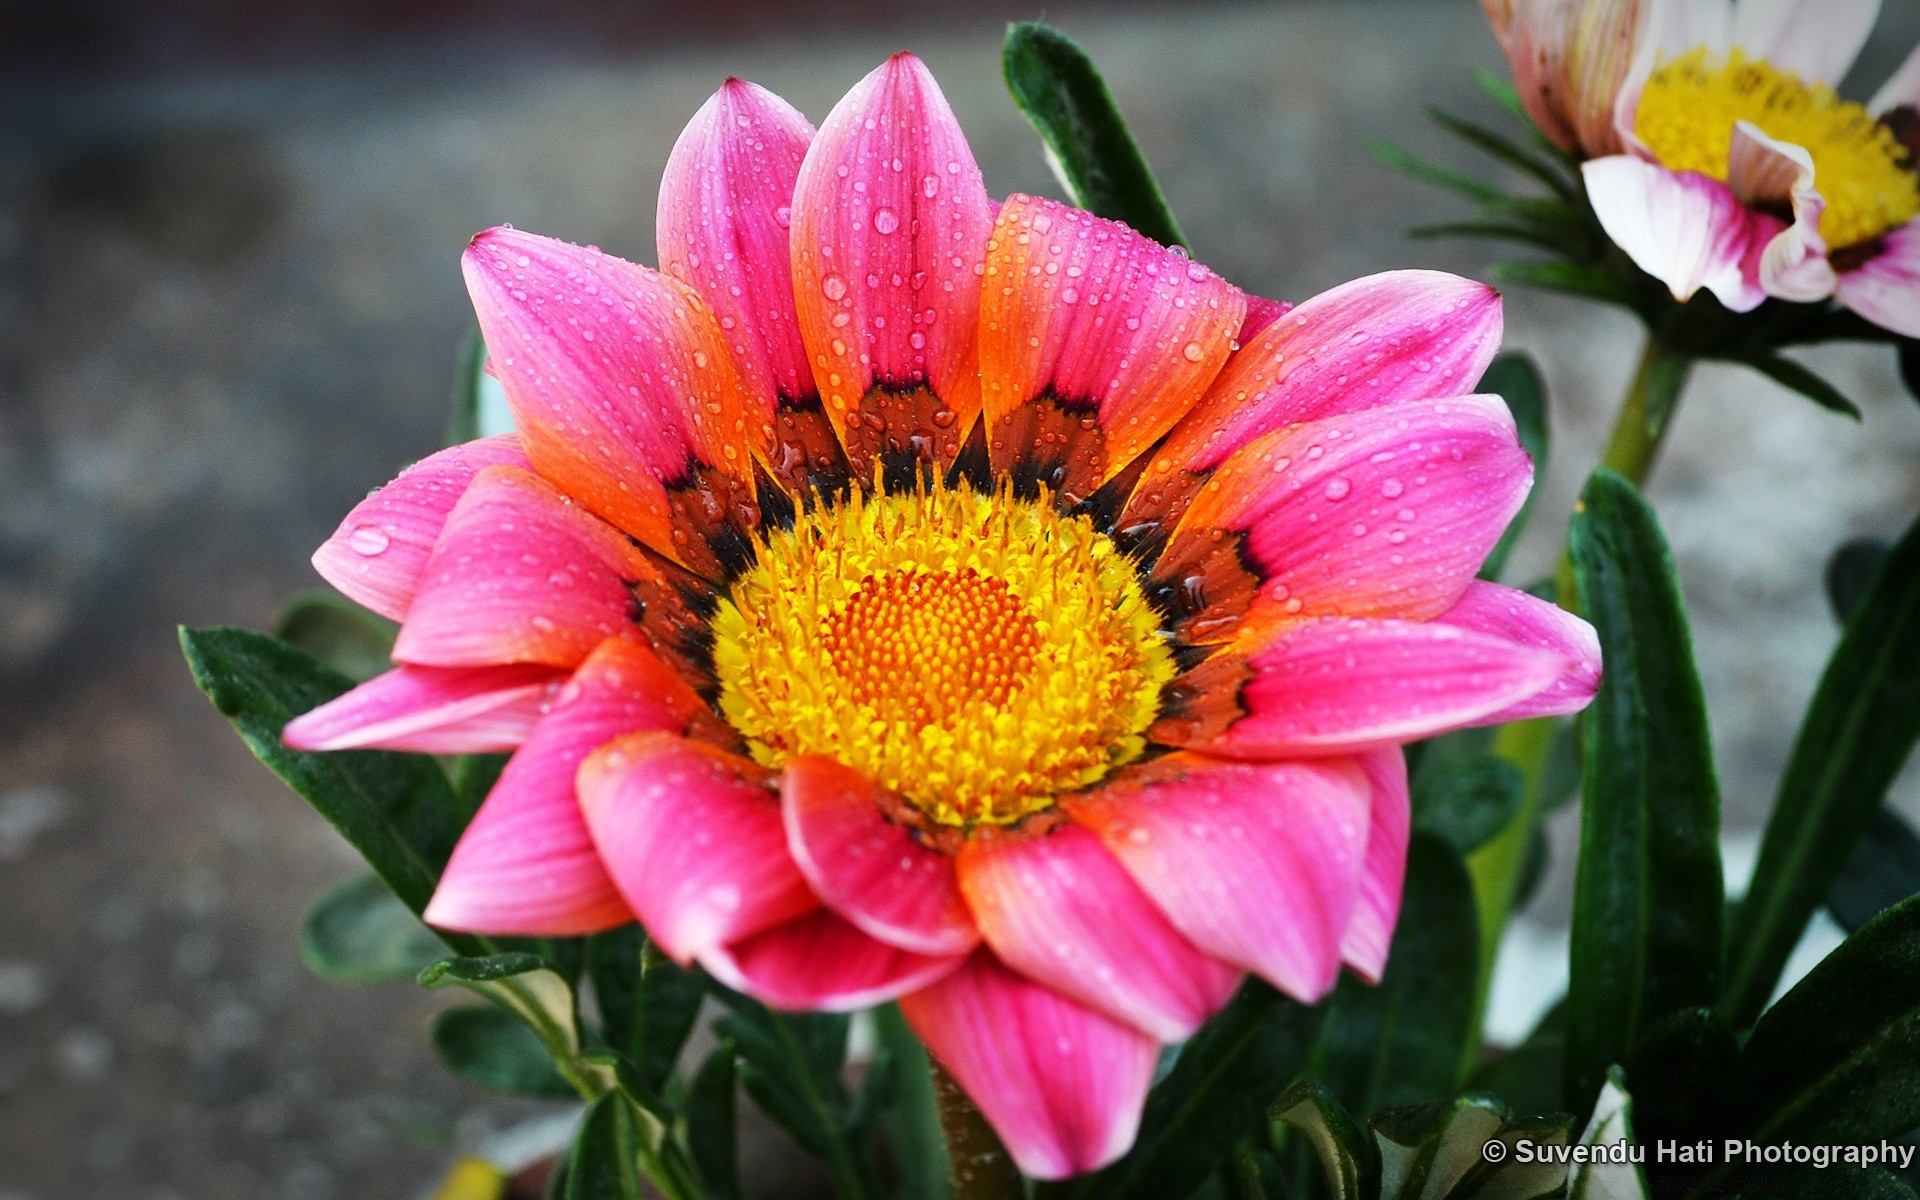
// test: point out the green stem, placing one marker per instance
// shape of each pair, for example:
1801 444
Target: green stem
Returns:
981 1167
1638 431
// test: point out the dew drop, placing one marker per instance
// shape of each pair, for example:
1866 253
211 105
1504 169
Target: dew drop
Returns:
1337 489
884 222
369 540
1193 352
833 287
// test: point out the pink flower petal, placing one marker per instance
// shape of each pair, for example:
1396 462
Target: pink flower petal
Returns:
1062 1085
1524 620
1386 512
1258 864
624 391
890 223
1886 288
1376 910
1094 341
1338 686
1569 61
820 962
1261 312
432 710
526 864
1060 910
519 575
1815 39
1768 173
868 869
1390 338
1687 230
726 202
691 836
376 555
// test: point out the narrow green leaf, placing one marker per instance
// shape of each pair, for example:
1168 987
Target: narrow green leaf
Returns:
489 1046
1507 151
1574 279
1515 378
525 986
1837 1060
707 1121
1840 1180
396 809
1647 892
1683 1071
1487 231
1214 1097
604 1163
913 1124
479 406
1348 1160
1794 377
1883 870
648 1004
1529 1077
350 639
1454 181
1849 571
1465 804
1088 144
1612 1125
359 932
1860 728
1501 90
1405 1041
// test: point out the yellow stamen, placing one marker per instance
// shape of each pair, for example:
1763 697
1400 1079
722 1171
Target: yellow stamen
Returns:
1691 104
976 653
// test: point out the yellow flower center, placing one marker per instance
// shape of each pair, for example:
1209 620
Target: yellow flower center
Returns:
1691 104
977 654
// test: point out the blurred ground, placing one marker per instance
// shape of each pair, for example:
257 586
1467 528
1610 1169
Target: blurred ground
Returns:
229 300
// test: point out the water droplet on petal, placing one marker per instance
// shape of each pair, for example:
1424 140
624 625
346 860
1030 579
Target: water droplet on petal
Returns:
368 540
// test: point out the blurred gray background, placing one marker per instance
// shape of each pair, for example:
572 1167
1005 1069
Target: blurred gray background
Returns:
229 298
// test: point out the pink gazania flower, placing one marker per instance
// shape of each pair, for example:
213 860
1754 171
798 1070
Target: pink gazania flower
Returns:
900 595
1569 59
1744 173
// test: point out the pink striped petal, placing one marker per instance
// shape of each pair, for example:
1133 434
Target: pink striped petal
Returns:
1258 864
1389 338
1060 910
624 391
1815 39
867 868
1387 512
1524 620
890 223
1886 288
376 555
691 837
432 710
1261 312
1569 60
526 864
1094 341
1685 229
1340 686
519 575
819 962
1376 910
1062 1085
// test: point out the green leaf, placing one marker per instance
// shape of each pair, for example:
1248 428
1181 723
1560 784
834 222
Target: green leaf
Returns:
359 932
1454 181
913 1124
1348 1160
1223 1081
1529 1076
489 1046
352 640
1794 377
1515 378
1088 144
1501 90
1507 151
1849 571
1842 1179
1648 894
1682 1071
1438 1150
648 1004
1573 279
479 404
1837 1060
708 1125
1488 231
604 1163
524 985
1405 1041
1465 804
1611 1125
396 809
1860 728
1883 870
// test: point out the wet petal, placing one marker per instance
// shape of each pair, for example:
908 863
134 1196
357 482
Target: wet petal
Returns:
432 710
1524 620
1376 910
821 962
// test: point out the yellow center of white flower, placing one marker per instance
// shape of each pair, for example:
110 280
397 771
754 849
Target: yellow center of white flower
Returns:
976 653
1691 104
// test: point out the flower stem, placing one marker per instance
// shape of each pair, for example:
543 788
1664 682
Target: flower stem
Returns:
1638 431
981 1168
